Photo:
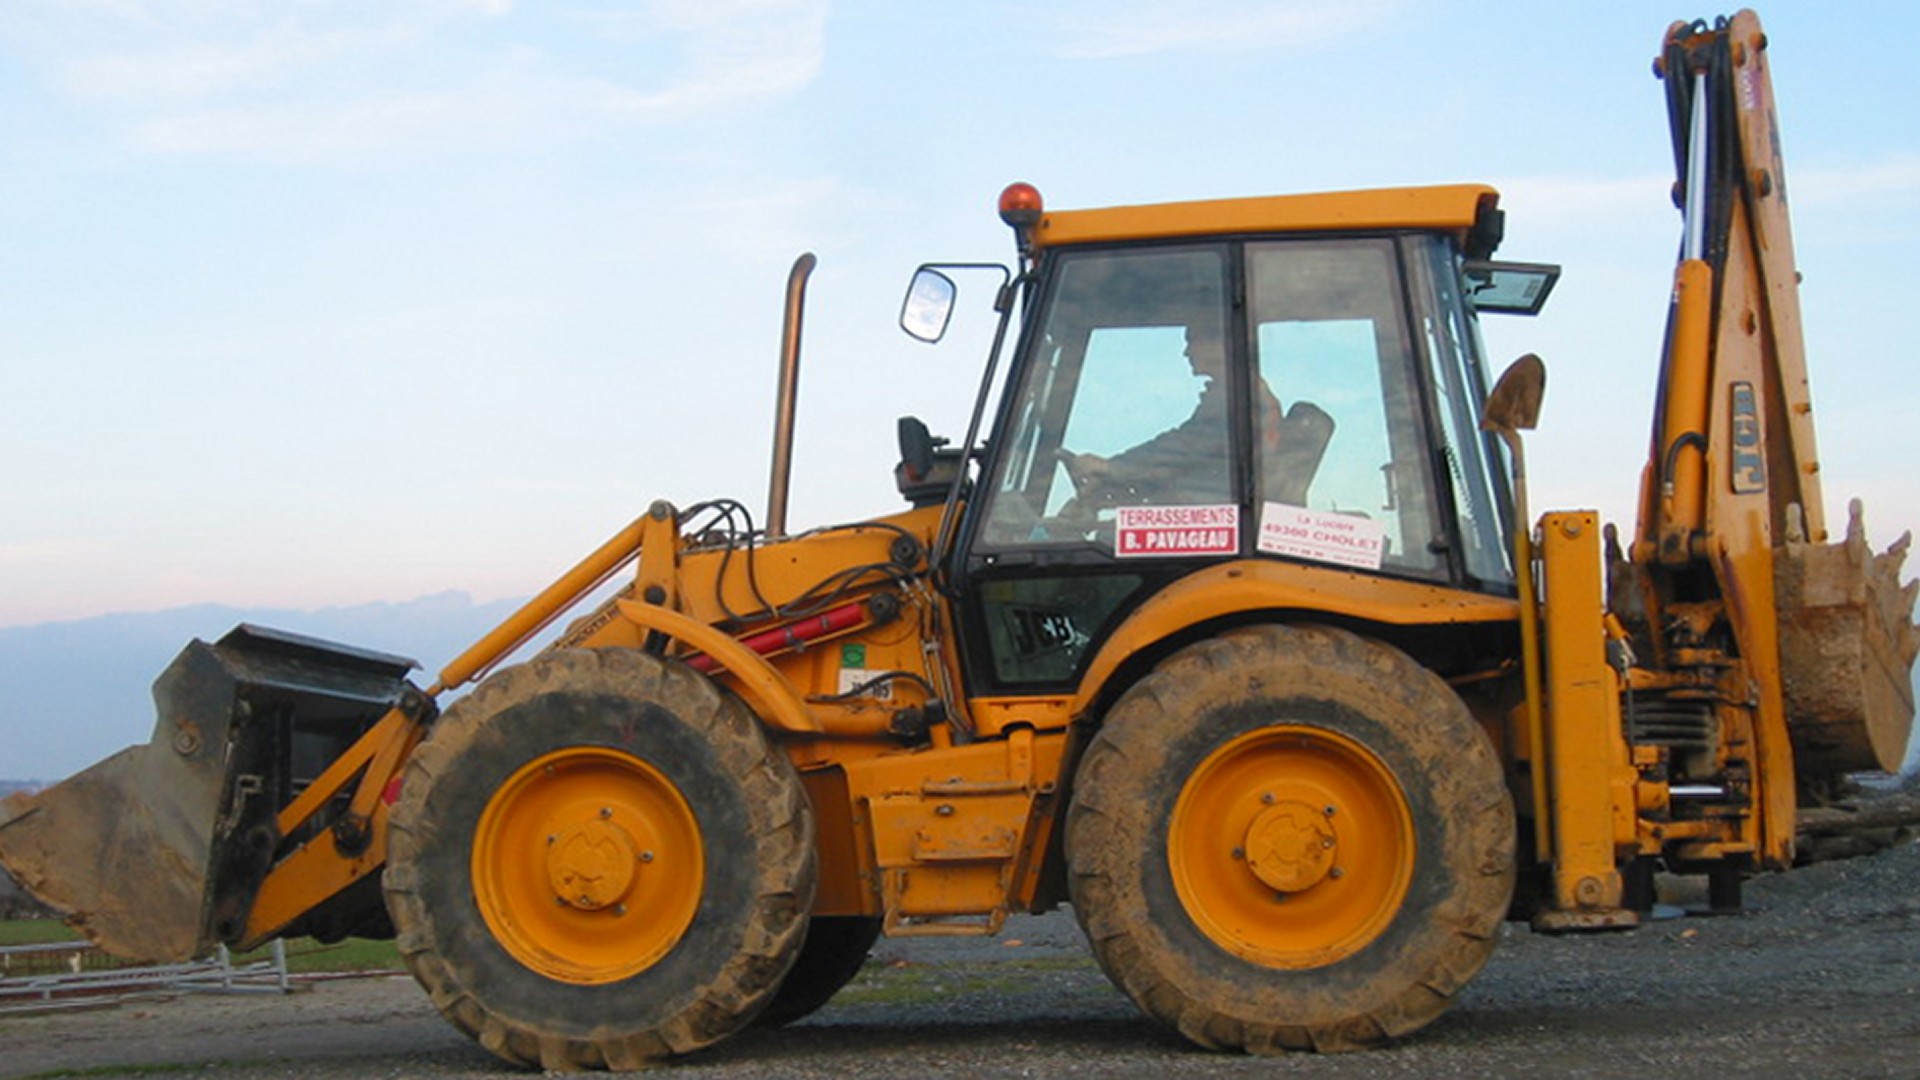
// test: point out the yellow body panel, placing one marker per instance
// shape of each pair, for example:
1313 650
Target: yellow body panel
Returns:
1586 751
1289 590
1449 209
951 833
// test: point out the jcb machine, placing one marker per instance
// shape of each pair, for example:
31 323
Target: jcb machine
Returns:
1234 633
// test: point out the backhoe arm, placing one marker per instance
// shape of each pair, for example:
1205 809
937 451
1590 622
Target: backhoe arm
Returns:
1785 655
1736 413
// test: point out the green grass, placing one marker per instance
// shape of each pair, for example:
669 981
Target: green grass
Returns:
304 955
35 931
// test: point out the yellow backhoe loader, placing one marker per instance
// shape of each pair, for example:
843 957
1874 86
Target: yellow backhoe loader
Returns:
1233 631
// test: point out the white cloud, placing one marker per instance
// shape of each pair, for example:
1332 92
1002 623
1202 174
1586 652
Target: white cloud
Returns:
1099 31
310 82
1583 197
1897 176
185 71
1564 196
158 53
333 131
734 51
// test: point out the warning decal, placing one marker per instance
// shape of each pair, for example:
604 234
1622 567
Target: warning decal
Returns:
1168 531
1321 536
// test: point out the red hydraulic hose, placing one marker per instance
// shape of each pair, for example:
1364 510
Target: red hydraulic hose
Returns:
792 635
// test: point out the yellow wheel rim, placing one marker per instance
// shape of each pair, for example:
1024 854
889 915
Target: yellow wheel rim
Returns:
1291 846
587 865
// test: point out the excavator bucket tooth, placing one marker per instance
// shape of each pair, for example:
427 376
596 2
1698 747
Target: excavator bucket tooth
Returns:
1847 643
156 852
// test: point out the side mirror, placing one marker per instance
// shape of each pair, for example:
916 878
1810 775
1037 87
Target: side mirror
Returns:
928 306
1509 288
1514 404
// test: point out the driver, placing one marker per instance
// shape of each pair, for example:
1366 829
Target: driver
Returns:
1186 464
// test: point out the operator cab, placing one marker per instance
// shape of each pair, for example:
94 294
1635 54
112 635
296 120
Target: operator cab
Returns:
1303 394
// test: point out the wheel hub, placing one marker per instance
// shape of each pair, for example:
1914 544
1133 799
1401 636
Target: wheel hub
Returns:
592 865
1291 846
588 865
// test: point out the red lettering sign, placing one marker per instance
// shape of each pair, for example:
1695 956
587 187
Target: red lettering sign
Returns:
1172 531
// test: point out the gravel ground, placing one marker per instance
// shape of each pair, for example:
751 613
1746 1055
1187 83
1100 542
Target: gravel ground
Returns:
1821 978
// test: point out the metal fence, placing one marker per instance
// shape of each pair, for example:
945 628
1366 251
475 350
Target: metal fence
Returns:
67 975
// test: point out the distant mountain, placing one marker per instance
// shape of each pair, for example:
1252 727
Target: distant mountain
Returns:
73 692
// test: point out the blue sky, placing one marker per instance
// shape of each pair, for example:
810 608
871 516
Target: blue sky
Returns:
311 303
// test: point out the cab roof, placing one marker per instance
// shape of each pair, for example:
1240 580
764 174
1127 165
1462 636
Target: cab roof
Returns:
1452 208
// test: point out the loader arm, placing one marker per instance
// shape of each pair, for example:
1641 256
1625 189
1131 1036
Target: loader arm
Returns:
259 808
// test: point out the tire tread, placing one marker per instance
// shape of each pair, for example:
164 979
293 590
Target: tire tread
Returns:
1103 847
783 831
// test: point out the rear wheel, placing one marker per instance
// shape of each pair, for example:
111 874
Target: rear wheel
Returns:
1290 838
836 950
597 861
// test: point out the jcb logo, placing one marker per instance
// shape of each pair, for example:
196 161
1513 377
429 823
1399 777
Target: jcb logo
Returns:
1749 466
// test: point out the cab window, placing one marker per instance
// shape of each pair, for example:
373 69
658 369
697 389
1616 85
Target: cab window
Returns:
1344 468
1124 402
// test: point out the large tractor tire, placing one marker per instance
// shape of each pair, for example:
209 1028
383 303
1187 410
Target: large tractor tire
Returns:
836 950
1290 837
597 861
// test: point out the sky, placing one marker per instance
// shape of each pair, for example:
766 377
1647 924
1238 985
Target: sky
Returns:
312 303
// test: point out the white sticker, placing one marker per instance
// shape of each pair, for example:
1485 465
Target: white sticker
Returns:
1169 531
852 678
1321 536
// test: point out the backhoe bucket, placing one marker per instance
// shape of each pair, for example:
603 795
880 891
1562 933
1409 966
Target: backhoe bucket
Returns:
1847 643
156 852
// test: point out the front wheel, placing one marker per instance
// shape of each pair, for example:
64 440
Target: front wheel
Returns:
1290 838
597 861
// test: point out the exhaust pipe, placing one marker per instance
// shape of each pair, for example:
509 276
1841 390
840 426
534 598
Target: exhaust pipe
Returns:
787 398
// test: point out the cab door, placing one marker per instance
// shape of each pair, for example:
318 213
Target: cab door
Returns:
1113 469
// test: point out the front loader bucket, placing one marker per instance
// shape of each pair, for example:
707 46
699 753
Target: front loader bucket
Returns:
1847 643
157 851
